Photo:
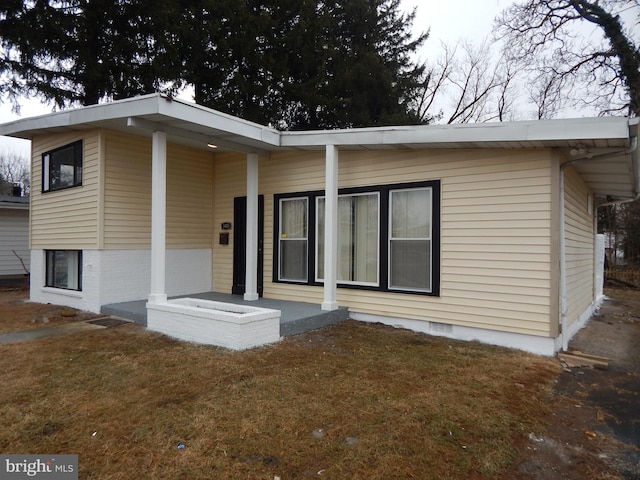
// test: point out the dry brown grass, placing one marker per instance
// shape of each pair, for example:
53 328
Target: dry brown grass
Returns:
351 401
18 314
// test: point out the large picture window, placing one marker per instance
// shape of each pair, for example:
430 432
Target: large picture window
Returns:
358 238
64 269
62 168
388 238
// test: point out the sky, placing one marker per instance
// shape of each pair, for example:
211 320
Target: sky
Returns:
472 20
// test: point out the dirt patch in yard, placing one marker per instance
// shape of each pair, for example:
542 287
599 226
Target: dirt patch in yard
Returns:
594 424
17 313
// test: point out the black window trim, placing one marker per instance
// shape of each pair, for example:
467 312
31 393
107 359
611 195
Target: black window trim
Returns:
48 267
311 229
78 151
383 248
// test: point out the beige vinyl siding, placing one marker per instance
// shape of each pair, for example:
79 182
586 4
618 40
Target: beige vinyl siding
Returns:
579 238
127 194
66 219
496 233
497 270
189 198
286 173
275 177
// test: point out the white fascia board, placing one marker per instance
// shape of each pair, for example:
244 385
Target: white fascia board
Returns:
22 128
148 105
174 111
610 128
25 128
206 117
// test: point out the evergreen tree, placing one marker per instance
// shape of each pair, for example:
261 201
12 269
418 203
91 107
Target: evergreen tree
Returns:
293 64
83 51
371 64
308 64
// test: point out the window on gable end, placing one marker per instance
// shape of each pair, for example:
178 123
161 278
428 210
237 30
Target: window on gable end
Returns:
62 167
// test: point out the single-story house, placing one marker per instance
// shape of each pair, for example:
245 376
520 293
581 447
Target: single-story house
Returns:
14 238
476 231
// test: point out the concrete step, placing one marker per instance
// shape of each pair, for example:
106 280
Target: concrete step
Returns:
313 321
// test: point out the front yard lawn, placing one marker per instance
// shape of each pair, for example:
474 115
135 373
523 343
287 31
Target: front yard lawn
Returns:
355 401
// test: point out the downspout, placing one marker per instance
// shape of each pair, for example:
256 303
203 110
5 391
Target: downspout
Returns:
563 267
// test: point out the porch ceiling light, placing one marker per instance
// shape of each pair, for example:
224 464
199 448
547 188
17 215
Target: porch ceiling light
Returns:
578 150
211 145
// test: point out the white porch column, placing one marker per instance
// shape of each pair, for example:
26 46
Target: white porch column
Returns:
251 274
158 216
330 229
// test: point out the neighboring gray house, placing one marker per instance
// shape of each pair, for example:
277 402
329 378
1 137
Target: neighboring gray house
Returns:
15 255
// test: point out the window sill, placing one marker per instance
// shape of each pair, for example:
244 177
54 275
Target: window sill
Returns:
363 287
62 291
61 189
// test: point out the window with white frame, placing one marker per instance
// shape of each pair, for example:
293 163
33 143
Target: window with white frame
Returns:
410 239
64 269
293 244
388 238
62 167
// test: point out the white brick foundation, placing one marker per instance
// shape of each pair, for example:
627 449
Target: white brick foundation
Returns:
227 325
112 276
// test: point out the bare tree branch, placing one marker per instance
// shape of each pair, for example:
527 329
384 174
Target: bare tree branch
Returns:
467 84
545 36
14 169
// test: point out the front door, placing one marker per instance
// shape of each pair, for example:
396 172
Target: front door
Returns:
240 244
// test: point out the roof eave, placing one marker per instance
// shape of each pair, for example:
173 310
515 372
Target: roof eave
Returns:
195 125
553 133
167 114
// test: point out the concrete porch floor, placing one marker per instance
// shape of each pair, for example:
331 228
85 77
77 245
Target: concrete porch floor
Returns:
296 317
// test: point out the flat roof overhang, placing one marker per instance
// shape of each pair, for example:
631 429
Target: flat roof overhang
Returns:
185 123
601 149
